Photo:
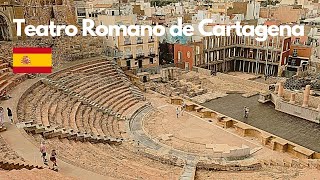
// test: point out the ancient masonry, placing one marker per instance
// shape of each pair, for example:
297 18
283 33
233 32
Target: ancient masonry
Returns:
245 54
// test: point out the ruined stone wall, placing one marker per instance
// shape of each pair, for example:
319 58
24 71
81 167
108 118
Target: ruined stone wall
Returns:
64 48
41 12
38 13
245 83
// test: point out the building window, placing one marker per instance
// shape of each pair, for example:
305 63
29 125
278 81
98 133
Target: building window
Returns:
139 40
179 56
295 53
139 49
151 49
127 41
151 60
151 39
127 51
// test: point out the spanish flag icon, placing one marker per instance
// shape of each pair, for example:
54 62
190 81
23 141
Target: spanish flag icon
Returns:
32 60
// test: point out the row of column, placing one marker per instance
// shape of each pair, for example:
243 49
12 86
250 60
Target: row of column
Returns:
306 95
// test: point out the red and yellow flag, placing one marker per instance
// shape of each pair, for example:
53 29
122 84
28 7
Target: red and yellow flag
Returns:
32 60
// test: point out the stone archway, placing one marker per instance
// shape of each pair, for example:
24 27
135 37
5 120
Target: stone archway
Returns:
5 34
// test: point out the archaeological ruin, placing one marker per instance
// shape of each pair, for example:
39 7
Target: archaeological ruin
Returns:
111 109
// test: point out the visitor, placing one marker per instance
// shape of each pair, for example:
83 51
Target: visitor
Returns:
10 115
246 112
4 95
43 151
183 106
53 159
1 116
177 111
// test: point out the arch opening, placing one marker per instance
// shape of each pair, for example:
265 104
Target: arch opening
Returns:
4 29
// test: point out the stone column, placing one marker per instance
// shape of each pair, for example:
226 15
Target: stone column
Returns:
293 98
276 88
306 95
280 89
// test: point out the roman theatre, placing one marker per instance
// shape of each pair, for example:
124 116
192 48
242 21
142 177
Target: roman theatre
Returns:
106 123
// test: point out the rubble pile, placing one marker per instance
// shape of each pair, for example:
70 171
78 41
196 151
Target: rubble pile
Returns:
178 88
299 83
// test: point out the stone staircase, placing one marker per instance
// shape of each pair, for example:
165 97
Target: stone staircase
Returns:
189 170
52 132
6 165
83 100
136 92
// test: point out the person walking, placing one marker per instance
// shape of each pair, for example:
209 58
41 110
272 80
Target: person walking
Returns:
10 115
1 116
43 151
53 159
182 108
246 112
177 111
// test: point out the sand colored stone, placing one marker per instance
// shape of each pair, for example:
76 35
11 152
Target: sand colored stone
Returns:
35 174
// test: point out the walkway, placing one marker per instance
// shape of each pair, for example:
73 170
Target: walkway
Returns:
19 141
189 171
136 128
265 117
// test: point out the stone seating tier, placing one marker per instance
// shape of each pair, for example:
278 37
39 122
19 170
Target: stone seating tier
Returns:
56 109
114 161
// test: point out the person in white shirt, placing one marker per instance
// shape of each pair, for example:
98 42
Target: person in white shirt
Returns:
178 112
246 112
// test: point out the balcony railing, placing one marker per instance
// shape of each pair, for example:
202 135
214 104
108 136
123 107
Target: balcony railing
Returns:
127 42
128 56
152 54
139 41
139 55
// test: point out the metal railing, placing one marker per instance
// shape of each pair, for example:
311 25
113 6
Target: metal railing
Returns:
139 55
139 41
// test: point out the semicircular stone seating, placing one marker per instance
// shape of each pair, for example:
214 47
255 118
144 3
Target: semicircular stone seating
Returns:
8 79
99 83
50 105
